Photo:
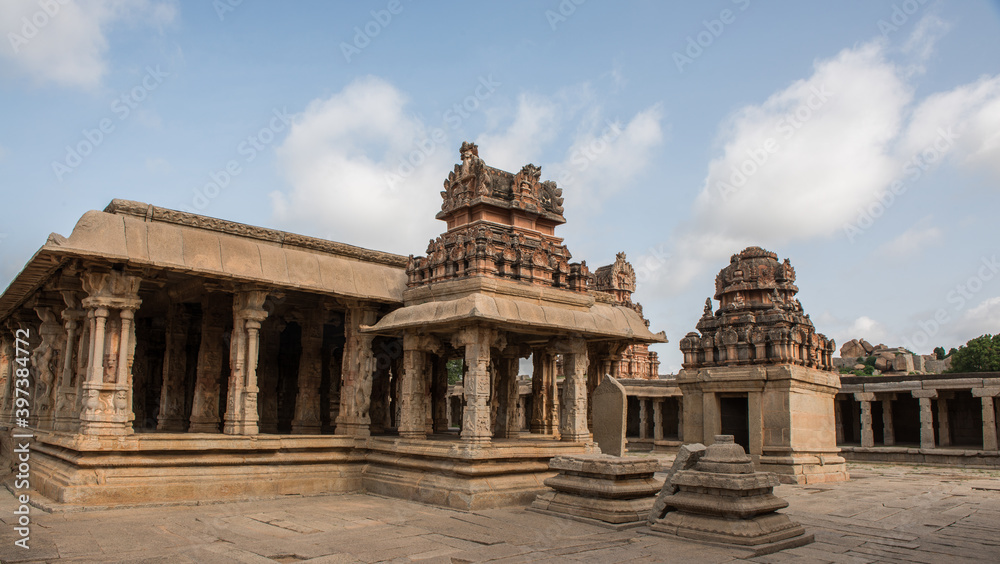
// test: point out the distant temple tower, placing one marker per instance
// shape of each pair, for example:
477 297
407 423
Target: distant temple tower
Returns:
618 279
758 370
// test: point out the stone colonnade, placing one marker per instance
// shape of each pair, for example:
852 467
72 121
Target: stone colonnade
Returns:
493 407
934 416
83 347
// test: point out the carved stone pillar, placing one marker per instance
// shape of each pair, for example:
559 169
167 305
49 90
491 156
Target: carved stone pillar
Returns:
412 390
47 360
241 401
867 434
205 406
541 390
307 400
575 392
657 420
172 392
476 418
888 432
6 372
357 368
112 298
989 416
643 418
507 423
73 316
926 416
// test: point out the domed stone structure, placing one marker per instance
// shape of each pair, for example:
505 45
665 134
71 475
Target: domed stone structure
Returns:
757 369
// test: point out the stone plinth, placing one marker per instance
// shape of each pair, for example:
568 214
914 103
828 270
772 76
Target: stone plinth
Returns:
723 500
604 490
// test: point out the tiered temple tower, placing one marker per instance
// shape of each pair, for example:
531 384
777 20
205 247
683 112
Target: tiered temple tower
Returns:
757 369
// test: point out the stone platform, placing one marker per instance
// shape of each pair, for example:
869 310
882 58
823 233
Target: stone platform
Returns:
163 468
610 491
884 514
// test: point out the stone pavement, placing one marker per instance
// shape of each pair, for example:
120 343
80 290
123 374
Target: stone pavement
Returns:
884 514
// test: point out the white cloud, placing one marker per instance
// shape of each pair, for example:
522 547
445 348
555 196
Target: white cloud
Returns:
66 41
982 319
339 157
807 161
910 242
535 125
865 328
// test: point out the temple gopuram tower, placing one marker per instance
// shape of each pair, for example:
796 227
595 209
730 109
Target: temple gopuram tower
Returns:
757 369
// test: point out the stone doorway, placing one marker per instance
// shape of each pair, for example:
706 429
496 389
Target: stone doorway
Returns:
735 415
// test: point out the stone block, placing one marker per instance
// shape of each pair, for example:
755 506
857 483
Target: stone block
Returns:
609 416
686 458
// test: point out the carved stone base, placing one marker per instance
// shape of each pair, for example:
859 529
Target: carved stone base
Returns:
605 490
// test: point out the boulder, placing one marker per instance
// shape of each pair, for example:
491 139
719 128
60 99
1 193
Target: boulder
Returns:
903 363
852 349
867 346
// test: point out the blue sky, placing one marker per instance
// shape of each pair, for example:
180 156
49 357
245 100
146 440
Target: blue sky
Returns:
860 139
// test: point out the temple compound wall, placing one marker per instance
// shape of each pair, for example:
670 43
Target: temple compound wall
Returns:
758 370
920 418
180 357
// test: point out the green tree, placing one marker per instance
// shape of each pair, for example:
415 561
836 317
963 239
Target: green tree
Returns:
981 354
454 370
939 353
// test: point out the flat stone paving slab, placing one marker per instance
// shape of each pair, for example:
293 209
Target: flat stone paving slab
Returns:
886 513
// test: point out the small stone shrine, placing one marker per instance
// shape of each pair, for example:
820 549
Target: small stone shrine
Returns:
758 370
604 490
723 500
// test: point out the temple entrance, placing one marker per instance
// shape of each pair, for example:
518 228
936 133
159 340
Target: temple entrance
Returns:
735 413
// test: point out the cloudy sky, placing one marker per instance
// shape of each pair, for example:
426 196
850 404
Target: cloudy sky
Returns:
860 139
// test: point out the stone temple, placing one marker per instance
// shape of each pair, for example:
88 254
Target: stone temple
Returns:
758 370
180 357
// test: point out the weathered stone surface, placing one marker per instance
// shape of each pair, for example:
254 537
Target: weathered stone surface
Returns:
866 346
852 349
610 416
602 489
722 500
686 458
903 363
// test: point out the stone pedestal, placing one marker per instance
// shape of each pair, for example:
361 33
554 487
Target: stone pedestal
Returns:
603 490
723 500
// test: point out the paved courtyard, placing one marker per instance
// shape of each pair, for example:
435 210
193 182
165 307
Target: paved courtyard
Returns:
884 514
